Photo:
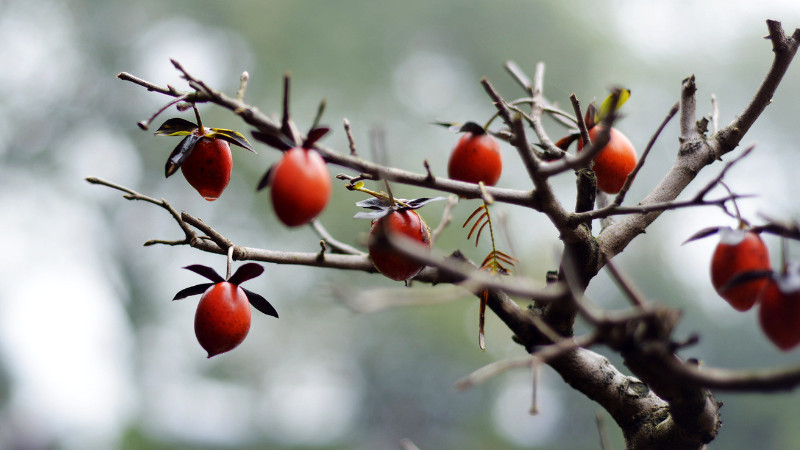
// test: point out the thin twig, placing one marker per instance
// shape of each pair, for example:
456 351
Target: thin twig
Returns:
336 245
447 217
350 141
631 176
576 106
541 356
625 283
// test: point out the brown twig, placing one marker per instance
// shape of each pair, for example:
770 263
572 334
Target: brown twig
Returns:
631 176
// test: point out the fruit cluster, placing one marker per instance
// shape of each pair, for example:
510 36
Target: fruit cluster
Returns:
742 275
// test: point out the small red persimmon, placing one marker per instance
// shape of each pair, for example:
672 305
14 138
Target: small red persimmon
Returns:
208 167
779 311
203 155
300 186
222 319
739 251
614 162
386 259
476 157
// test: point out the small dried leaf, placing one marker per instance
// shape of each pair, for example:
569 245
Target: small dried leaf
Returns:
705 232
589 117
260 303
206 271
744 277
233 137
246 272
567 140
180 153
372 203
372 215
314 135
274 141
452 126
176 127
193 290
418 203
265 180
472 127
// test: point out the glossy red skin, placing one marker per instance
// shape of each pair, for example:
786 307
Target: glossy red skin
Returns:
388 261
614 162
728 260
222 320
476 158
779 316
208 167
300 186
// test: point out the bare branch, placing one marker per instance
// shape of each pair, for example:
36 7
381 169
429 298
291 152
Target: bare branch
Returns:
336 245
784 48
631 176
447 217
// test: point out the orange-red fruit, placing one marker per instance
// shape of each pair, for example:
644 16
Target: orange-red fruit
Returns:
389 261
614 162
779 314
476 158
300 186
222 319
208 167
739 251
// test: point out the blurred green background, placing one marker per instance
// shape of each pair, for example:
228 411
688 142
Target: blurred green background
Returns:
94 355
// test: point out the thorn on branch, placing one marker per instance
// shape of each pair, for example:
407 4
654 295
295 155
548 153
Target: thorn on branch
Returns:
429 174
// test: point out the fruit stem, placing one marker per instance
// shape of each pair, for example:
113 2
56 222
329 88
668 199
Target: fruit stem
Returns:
742 223
199 121
230 263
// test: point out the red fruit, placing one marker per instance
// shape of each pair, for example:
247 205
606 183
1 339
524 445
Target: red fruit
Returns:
779 313
208 167
614 162
389 261
300 186
739 251
476 158
222 319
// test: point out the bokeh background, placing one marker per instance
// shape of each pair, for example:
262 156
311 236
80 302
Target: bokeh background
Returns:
94 355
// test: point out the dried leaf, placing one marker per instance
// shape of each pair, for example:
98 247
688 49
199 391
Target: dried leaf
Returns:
180 153
260 303
176 127
246 272
193 290
205 271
